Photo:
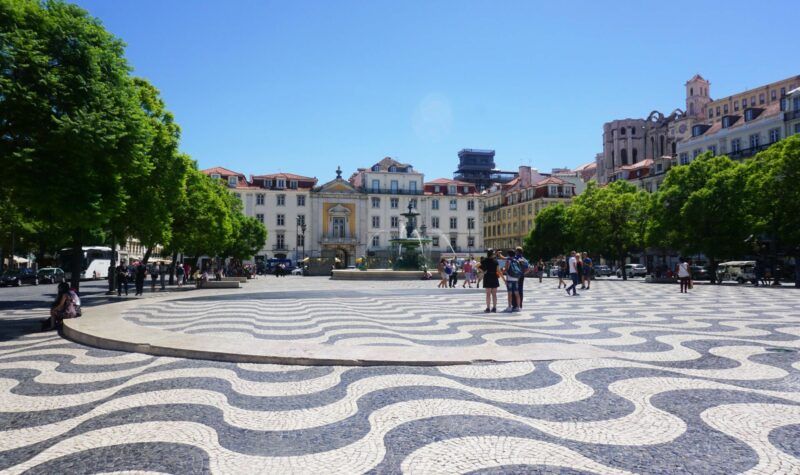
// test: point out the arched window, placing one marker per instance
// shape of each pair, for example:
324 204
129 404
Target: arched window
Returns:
691 91
635 155
674 148
623 156
652 147
613 164
661 148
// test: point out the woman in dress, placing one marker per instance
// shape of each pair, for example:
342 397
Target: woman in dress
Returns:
491 280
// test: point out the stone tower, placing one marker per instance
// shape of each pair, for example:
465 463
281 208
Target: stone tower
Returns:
697 97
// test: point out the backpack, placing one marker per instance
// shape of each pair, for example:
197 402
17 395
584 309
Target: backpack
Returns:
515 269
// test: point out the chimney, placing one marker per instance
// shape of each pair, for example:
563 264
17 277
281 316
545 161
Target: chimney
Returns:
525 176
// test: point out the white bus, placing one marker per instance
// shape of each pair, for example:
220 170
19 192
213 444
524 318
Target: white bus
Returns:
94 262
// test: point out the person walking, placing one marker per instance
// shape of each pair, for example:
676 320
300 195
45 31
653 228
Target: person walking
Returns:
684 276
540 269
443 278
122 278
573 273
562 271
453 274
491 280
467 267
587 270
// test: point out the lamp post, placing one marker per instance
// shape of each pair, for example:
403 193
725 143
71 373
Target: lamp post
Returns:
303 239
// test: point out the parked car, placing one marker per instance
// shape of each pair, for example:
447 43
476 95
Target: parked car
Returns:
740 271
601 270
19 277
51 275
297 271
633 270
699 273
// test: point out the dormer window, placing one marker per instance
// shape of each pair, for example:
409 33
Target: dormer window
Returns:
293 184
729 120
750 114
392 169
215 176
376 168
451 190
699 129
466 189
233 181
281 183
437 189
268 183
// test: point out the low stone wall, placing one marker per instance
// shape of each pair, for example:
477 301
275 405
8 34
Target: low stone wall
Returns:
218 284
235 279
376 274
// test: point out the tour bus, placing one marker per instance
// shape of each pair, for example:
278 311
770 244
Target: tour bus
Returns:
94 262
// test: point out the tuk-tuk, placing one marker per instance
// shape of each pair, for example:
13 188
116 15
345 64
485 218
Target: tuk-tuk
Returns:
740 271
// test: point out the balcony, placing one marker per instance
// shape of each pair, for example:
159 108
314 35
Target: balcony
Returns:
389 191
332 239
748 152
791 115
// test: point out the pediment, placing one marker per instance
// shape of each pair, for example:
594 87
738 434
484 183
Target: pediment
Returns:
339 209
337 186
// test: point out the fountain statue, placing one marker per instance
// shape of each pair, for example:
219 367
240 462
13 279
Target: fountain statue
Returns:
410 249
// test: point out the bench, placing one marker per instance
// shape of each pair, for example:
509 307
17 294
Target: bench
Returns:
218 284
235 279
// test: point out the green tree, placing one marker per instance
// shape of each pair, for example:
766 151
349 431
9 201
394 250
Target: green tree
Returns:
772 179
610 220
71 126
161 187
247 238
202 220
551 234
701 208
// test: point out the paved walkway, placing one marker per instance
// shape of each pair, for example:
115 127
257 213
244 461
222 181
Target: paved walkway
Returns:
707 384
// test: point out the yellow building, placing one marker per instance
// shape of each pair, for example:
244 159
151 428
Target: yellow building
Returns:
510 209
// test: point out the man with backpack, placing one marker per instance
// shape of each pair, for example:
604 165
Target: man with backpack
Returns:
513 272
525 267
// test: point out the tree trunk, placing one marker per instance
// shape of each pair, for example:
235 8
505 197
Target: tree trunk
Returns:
172 269
147 253
76 266
112 271
712 269
622 263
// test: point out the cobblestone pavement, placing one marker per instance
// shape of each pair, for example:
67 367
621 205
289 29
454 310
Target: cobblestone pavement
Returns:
709 383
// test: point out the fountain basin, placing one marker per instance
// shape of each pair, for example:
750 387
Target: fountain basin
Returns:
376 274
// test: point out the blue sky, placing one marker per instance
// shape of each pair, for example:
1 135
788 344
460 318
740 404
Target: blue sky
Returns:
304 86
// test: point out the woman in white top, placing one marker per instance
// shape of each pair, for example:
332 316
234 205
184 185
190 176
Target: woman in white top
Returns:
684 276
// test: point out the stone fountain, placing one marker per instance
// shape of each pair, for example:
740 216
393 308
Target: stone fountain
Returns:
410 249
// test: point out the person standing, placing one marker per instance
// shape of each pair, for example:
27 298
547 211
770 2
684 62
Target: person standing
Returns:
122 278
526 267
141 271
573 273
587 270
684 276
540 269
512 271
179 275
562 271
154 271
491 280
